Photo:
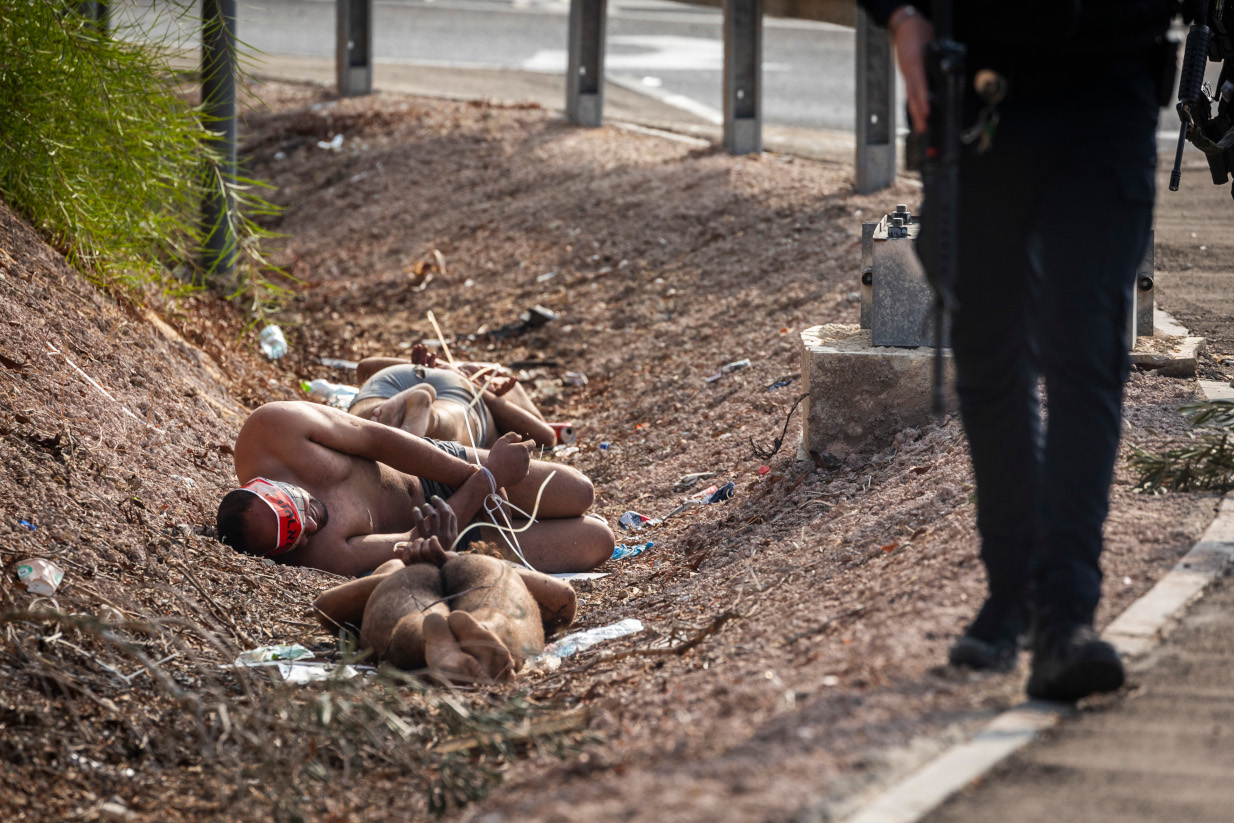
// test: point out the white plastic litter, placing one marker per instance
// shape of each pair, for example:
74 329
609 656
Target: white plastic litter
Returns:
580 575
554 652
299 672
265 655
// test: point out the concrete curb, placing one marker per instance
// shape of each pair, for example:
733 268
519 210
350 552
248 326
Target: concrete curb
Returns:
1135 632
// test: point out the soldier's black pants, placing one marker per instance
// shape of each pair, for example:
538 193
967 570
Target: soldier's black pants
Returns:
1054 219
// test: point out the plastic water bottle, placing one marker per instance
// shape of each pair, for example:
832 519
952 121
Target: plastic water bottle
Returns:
333 394
273 343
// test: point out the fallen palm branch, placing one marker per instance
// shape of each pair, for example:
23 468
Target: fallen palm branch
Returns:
1205 463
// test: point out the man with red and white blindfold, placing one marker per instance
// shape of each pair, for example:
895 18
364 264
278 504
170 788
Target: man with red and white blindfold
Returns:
331 491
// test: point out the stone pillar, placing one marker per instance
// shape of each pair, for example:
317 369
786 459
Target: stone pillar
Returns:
743 76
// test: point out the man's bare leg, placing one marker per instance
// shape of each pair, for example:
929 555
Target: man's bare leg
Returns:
568 494
564 545
396 610
494 616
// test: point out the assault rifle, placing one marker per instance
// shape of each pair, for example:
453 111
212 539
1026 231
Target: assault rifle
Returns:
938 242
1211 37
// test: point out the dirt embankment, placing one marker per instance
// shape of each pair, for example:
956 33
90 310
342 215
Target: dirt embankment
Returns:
794 634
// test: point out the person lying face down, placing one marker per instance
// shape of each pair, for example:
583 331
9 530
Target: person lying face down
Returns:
328 490
473 403
463 618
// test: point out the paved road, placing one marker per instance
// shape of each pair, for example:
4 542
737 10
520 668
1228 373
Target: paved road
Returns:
667 50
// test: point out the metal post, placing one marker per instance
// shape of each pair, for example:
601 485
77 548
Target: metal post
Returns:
876 119
98 12
353 53
218 97
743 76
585 70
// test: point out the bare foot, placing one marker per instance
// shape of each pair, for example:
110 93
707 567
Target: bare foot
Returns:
421 356
446 660
482 645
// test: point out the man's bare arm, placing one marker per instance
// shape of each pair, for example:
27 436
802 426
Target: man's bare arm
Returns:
275 436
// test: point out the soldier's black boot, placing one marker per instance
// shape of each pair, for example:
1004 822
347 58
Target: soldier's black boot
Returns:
1071 662
991 641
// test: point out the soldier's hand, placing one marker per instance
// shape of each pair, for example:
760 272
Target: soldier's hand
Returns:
911 33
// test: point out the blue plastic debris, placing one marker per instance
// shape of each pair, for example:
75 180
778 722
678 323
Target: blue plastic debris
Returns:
27 524
624 550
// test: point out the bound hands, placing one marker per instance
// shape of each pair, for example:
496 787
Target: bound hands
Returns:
509 459
420 550
912 33
434 521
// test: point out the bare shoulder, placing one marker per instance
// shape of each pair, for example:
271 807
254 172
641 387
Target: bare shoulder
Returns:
278 435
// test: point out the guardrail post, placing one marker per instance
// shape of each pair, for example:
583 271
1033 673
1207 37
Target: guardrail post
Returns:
585 71
743 76
98 12
353 57
876 119
218 102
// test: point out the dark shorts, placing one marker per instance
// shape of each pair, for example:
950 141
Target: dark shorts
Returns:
448 385
433 487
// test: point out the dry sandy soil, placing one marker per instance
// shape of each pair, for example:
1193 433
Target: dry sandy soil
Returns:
791 657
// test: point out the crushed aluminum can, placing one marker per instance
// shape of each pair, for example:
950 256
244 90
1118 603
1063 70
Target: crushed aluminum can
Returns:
633 521
574 378
713 494
565 433
39 576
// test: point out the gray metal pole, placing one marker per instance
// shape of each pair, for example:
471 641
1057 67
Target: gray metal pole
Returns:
353 53
743 76
876 111
585 70
218 97
98 12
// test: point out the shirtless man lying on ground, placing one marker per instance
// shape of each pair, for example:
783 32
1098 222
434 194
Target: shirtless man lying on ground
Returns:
464 618
433 398
332 491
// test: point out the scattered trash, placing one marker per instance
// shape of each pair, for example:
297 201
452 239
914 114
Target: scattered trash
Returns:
709 495
265 655
27 524
187 481
39 576
334 144
335 363
332 394
547 276
687 481
562 452
309 671
623 550
574 643
272 342
782 382
579 575
633 521
565 433
574 378
728 369
533 318
764 469
604 449
714 494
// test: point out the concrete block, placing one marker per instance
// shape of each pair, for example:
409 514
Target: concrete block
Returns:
861 395
1169 356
